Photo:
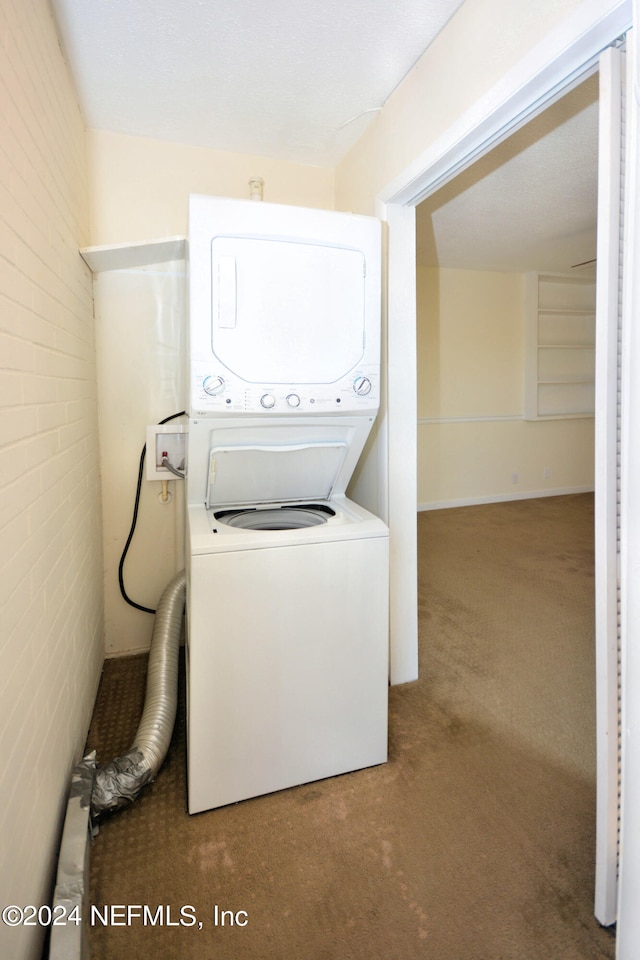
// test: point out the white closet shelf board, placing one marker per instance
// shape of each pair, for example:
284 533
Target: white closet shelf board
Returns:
123 256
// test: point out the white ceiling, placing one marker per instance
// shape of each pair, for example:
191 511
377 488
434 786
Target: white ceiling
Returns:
289 79
530 204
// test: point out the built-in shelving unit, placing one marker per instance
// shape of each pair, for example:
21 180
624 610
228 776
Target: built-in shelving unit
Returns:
125 256
559 346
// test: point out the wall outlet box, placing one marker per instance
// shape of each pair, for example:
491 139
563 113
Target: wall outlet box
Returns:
168 439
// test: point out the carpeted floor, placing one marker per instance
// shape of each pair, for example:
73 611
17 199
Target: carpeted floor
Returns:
474 842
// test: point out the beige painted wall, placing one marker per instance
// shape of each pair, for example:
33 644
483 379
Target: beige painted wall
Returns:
51 562
470 337
139 191
140 187
474 462
472 439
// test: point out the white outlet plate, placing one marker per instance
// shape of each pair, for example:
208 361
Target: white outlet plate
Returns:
169 438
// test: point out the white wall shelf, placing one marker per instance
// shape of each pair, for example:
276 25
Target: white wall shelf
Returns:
559 346
124 256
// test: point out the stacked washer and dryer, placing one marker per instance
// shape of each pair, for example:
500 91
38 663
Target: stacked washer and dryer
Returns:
287 578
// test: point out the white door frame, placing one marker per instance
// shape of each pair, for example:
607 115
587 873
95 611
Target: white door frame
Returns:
628 929
565 57
611 174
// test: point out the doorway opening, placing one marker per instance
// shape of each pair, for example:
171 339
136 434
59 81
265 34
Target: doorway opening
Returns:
527 210
569 53
519 221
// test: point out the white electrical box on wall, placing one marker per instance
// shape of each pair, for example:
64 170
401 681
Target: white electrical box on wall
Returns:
166 440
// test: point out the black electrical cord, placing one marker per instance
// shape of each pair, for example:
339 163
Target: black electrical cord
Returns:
134 520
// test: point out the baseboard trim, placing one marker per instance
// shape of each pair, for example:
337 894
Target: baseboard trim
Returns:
502 498
133 652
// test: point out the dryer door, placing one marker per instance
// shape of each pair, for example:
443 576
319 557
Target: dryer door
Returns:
285 312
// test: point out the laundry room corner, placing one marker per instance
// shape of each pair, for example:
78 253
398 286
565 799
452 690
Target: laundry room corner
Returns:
140 341
139 191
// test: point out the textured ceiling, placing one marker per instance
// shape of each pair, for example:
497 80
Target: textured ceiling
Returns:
530 204
290 79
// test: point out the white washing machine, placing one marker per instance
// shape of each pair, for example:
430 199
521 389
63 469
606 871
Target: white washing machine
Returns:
287 578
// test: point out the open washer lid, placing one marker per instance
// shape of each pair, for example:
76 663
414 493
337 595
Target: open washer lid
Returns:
274 473
250 460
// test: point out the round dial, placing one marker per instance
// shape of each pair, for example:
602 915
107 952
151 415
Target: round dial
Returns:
268 401
214 386
293 400
362 386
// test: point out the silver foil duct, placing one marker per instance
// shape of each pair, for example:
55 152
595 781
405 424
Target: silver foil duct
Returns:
118 783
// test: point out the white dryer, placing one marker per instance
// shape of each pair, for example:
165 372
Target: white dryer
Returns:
287 578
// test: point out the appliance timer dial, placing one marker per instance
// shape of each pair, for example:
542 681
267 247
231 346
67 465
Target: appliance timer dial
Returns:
293 400
362 386
268 401
214 386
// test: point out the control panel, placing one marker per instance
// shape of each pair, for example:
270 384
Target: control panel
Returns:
221 392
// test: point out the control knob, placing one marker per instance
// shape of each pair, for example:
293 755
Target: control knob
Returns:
362 386
268 401
213 386
293 400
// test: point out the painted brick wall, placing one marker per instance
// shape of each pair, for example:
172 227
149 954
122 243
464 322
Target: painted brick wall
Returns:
51 631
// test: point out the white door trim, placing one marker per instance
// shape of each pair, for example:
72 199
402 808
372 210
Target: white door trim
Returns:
628 929
549 70
611 173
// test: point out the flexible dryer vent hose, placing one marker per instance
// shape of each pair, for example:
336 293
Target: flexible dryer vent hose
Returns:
118 783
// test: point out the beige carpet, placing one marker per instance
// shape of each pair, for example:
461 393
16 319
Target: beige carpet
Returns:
474 842
506 606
